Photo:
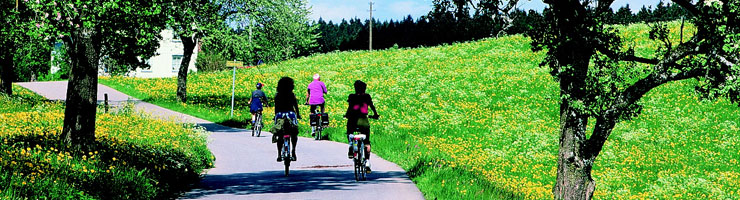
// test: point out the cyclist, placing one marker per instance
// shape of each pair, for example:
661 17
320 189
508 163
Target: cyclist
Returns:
256 100
286 106
315 94
357 116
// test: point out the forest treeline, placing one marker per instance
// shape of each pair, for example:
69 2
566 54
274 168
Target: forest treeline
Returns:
447 23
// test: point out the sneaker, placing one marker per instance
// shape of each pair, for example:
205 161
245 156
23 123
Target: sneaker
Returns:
350 154
367 166
294 158
280 159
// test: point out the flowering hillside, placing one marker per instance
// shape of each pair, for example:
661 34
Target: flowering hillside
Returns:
479 120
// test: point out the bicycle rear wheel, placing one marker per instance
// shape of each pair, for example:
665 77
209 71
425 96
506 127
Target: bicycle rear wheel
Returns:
287 166
357 170
286 156
253 126
258 126
363 172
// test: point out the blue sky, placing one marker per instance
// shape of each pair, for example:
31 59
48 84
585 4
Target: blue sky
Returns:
336 10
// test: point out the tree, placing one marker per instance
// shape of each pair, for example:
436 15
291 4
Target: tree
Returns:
263 30
24 49
623 15
121 30
282 30
600 79
190 19
8 33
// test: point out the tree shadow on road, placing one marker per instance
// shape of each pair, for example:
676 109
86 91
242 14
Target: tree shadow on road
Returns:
218 128
298 181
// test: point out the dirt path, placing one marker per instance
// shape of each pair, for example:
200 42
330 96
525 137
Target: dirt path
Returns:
245 166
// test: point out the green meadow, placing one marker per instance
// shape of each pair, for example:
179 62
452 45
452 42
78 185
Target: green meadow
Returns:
479 120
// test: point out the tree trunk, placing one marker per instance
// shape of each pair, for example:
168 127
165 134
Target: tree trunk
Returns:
574 167
574 161
6 75
81 103
188 44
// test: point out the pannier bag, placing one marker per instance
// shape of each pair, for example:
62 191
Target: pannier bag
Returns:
314 119
324 119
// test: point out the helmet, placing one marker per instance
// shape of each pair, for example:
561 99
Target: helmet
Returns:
259 85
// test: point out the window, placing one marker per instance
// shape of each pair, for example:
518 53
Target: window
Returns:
176 60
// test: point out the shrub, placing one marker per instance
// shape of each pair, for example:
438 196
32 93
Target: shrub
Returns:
134 158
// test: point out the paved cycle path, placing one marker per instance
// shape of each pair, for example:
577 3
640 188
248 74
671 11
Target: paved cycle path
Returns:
245 166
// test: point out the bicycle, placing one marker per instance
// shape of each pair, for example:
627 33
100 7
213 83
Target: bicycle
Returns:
257 126
285 153
357 140
359 158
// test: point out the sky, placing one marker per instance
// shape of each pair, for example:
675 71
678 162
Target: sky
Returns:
336 10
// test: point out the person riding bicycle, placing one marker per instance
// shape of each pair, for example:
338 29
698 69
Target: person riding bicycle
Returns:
357 116
256 100
286 108
315 94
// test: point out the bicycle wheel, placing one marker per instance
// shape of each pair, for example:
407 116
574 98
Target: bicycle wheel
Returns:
253 130
318 133
357 169
286 157
258 126
287 166
363 172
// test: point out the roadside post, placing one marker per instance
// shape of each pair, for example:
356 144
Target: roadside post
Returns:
233 64
106 102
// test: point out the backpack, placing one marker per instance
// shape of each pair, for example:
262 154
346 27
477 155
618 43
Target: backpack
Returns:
282 127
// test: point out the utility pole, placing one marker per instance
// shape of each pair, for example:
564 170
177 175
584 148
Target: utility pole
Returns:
371 25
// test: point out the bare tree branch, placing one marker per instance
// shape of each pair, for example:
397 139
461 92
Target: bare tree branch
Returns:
691 8
723 60
661 75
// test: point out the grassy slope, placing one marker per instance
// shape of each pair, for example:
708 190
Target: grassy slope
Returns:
485 113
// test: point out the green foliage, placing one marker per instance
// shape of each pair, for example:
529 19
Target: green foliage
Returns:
32 58
134 157
24 48
124 31
209 62
60 60
264 30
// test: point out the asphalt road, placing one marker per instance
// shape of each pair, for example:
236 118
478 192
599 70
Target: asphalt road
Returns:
245 166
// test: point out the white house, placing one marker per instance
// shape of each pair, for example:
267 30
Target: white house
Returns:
167 61
165 64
